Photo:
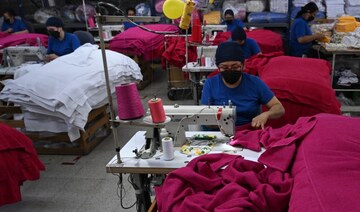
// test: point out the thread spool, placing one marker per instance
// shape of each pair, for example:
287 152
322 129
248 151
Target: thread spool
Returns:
128 101
157 110
196 32
168 148
186 16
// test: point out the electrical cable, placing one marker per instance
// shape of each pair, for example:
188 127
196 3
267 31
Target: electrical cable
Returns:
136 24
119 192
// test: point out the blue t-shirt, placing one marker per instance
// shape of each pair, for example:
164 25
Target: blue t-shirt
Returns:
17 26
247 97
299 29
128 25
235 23
250 48
63 47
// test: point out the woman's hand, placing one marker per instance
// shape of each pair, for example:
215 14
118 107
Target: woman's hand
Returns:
260 120
51 57
318 36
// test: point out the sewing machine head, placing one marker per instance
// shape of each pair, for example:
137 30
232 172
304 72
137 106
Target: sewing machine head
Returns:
17 55
211 29
185 115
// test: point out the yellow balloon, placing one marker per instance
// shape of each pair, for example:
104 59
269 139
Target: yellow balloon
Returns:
173 9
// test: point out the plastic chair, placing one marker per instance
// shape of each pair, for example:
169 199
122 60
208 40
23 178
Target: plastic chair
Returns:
85 37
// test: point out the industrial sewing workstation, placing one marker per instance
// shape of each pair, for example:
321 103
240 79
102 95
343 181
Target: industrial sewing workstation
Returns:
170 136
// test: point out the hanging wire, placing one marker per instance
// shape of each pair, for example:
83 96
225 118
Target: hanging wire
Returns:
136 24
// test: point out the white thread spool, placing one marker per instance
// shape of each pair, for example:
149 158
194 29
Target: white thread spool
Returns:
168 148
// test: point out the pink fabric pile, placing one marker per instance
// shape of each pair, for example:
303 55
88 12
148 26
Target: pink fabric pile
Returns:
136 41
222 182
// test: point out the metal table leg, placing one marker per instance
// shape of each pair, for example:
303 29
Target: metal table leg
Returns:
142 193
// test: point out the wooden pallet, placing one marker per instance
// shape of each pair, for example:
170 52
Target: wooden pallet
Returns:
98 119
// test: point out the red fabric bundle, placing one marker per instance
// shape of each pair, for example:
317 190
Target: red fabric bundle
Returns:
267 40
175 52
221 182
18 162
136 41
303 84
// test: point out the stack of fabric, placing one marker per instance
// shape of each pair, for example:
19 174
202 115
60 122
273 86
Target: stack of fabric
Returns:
136 41
58 96
18 163
352 7
334 8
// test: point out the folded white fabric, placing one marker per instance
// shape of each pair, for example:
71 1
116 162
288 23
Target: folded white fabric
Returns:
68 88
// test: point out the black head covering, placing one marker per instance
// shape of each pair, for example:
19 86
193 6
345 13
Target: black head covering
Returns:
229 51
229 12
54 22
238 34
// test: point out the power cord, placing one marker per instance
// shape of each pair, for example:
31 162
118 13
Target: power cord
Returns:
119 192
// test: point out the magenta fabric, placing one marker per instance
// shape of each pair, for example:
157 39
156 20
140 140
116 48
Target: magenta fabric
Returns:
27 38
18 162
280 143
222 182
135 41
327 166
304 84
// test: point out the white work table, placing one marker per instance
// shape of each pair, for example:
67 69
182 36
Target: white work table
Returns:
157 165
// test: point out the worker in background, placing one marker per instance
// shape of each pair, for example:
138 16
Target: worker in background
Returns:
301 37
12 24
60 42
230 21
248 45
130 12
246 92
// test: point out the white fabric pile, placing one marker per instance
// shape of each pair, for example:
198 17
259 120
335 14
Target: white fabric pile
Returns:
346 77
58 96
352 7
334 8
255 5
279 6
301 3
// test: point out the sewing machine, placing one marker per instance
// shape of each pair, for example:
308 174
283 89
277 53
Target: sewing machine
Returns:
184 115
211 29
17 55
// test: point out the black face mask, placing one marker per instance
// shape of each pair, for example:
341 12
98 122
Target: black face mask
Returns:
231 76
7 20
228 21
311 18
55 34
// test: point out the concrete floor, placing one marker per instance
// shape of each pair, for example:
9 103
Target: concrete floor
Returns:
85 186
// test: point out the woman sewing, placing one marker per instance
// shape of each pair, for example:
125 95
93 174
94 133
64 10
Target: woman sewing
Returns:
231 21
245 91
60 42
12 24
248 45
301 37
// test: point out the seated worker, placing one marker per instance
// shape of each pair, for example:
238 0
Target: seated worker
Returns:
60 42
248 45
130 12
12 24
246 92
301 37
230 21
